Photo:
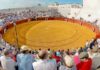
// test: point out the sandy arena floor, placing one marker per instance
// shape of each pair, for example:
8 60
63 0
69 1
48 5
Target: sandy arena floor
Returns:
52 34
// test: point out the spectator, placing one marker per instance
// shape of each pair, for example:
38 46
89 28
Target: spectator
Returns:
80 50
69 64
43 63
95 52
87 44
58 59
90 53
76 58
24 59
98 41
95 58
51 59
86 62
6 62
92 43
58 53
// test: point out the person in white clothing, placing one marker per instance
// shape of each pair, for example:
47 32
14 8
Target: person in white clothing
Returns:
69 64
43 63
6 62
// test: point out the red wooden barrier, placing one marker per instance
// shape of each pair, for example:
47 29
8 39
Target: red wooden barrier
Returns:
1 30
88 25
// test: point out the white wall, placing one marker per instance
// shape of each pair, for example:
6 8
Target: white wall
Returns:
64 10
92 4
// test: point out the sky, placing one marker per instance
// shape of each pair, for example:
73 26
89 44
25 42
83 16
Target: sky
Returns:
4 4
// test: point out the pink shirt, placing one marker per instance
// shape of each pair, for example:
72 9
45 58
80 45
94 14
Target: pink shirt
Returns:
76 59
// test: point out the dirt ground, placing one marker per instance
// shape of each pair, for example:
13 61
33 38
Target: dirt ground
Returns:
52 34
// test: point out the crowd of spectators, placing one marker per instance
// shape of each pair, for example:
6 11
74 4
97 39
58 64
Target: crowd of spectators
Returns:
86 58
15 16
26 13
13 58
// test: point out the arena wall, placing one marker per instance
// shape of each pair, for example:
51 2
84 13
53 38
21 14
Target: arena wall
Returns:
83 23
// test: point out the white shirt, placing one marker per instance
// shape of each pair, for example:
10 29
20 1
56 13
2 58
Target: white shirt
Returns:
65 68
7 63
44 65
95 62
95 55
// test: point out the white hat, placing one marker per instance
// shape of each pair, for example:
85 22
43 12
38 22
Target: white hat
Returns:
24 47
69 61
83 55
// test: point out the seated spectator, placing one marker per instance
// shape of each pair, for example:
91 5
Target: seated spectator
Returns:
76 58
58 53
96 58
6 62
69 64
89 51
80 50
98 41
86 62
95 52
87 44
25 59
51 59
43 63
92 43
58 59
